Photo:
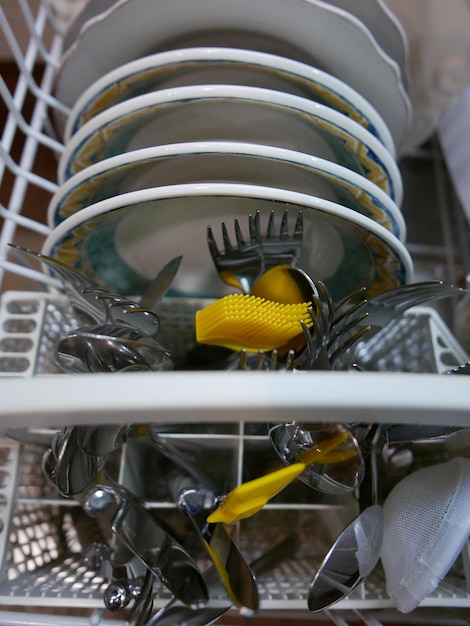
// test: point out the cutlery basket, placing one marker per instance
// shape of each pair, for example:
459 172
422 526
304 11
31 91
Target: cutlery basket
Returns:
220 416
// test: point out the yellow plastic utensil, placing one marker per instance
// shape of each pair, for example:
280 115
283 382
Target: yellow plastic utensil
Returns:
243 321
250 497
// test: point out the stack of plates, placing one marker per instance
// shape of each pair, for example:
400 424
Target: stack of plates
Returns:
186 113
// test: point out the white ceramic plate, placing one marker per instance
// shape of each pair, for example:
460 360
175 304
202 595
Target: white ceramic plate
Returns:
122 242
374 14
191 66
89 11
384 26
307 30
225 162
231 113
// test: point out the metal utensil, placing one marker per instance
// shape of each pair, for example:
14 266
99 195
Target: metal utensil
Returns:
291 440
67 467
104 306
460 370
356 551
282 248
250 497
175 613
384 307
238 265
140 532
110 348
73 282
158 288
121 310
128 578
234 572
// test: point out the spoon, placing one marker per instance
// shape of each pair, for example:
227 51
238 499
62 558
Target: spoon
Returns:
356 551
286 284
250 497
67 467
291 440
349 561
110 348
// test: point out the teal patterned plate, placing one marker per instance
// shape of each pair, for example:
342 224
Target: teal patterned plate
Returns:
122 242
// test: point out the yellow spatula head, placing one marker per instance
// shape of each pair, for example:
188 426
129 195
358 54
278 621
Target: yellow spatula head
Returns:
250 497
242 321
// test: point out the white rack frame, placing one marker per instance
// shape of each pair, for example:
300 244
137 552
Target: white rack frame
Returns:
51 400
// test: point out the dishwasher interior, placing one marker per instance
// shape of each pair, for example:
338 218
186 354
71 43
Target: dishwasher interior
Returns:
43 536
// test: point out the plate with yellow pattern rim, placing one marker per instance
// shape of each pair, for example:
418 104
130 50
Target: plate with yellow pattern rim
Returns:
191 66
310 31
225 161
232 113
123 241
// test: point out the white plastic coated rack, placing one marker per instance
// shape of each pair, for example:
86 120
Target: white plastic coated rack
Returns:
221 415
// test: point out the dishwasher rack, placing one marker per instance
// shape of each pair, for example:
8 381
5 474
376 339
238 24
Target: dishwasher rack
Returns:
223 416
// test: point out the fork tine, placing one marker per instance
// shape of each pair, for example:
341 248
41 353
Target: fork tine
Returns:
299 226
346 328
254 230
226 237
353 310
360 291
213 249
270 227
284 230
424 291
424 298
290 361
340 350
325 294
398 293
238 234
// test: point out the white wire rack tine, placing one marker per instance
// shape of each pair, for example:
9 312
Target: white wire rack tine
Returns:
52 15
367 618
54 145
33 178
336 619
28 16
29 272
25 222
19 58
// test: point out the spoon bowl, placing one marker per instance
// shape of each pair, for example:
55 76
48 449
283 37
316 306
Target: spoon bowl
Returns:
110 348
293 441
350 560
286 284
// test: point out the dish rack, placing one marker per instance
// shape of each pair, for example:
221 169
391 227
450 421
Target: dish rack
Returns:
222 416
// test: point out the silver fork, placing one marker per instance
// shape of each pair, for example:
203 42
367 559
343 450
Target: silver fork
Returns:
282 248
262 360
324 351
383 308
242 264
73 283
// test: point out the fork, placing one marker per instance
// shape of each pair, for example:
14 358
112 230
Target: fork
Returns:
281 249
383 308
324 349
242 264
74 284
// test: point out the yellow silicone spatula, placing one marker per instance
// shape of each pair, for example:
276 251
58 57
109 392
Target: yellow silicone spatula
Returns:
250 497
